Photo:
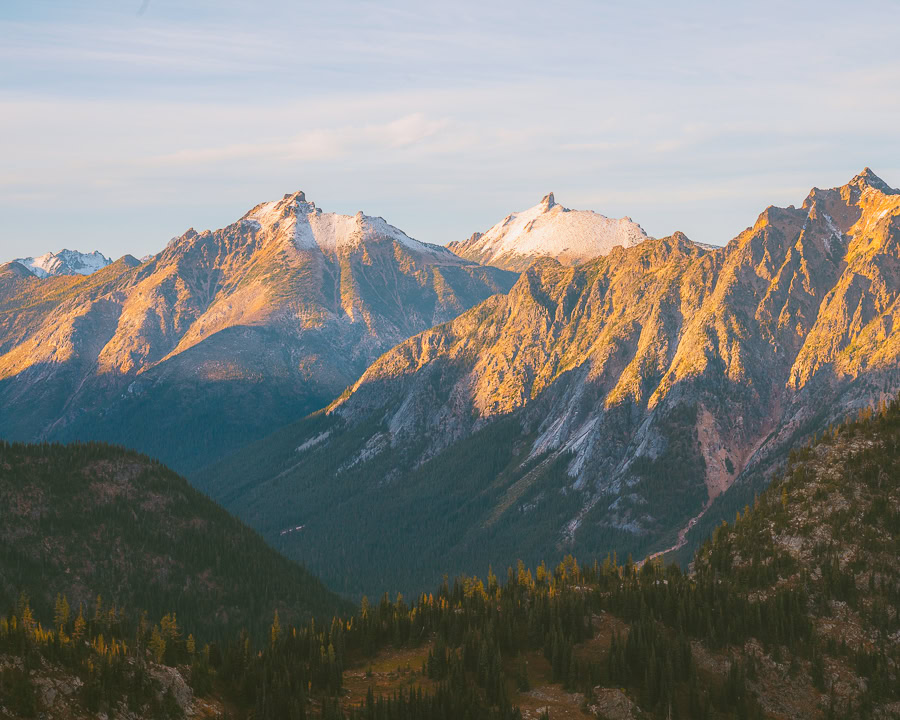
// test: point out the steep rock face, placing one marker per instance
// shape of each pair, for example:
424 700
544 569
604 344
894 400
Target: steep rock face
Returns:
631 391
223 335
549 230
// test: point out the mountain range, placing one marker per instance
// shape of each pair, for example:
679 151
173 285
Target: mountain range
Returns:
620 392
607 405
225 335
64 262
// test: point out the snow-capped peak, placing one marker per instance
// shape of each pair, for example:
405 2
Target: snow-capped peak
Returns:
65 262
549 229
310 228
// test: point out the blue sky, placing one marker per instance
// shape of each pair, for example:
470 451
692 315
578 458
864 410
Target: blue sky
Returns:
124 122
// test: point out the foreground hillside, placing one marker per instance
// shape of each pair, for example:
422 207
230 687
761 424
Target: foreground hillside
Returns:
599 407
792 611
829 528
223 336
112 530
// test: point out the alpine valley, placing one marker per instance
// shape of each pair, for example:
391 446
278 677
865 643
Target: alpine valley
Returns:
792 611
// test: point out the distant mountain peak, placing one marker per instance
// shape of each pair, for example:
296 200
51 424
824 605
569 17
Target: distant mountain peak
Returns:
291 205
549 229
17 269
298 220
65 262
866 184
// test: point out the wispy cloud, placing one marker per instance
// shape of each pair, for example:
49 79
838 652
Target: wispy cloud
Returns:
692 115
108 51
318 144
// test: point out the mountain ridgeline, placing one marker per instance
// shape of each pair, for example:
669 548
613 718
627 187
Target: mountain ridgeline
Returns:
224 336
603 406
619 405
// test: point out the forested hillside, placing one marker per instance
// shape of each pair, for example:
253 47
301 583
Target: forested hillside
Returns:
791 611
830 529
115 531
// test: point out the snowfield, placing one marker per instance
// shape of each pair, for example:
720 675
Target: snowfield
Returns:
549 229
311 228
65 262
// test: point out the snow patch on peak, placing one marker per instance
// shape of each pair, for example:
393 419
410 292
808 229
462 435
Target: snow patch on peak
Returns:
836 237
309 228
65 262
570 236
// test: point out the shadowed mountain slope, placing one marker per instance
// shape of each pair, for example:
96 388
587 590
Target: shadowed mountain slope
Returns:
89 520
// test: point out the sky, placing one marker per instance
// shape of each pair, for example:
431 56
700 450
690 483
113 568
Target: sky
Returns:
124 122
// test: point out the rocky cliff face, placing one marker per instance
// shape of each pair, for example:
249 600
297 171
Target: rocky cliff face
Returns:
631 390
549 230
224 335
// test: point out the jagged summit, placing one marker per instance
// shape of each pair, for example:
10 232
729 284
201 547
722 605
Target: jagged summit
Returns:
868 179
683 239
853 190
549 229
308 227
65 262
